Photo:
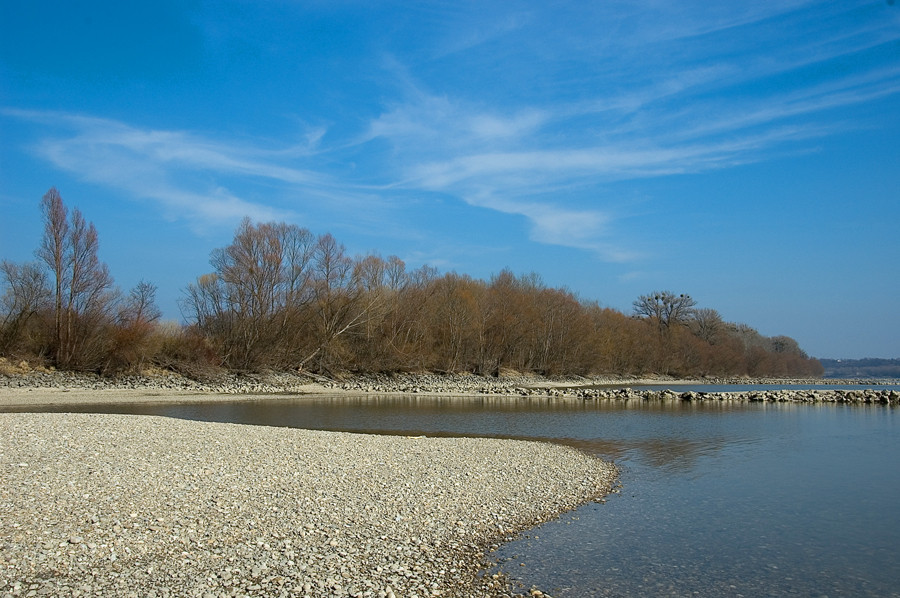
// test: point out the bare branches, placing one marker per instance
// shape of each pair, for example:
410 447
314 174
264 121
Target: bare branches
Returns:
26 293
53 251
665 309
707 324
82 284
140 307
250 304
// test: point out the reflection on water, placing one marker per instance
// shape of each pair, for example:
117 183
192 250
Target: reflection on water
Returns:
786 500
771 499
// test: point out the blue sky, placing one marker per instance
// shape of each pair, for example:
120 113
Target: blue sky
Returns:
744 153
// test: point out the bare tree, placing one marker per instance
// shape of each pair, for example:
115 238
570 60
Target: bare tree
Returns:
280 297
398 325
140 305
786 345
298 245
26 293
451 322
665 309
502 322
397 278
132 339
83 286
342 301
707 324
53 253
205 303
250 305
423 276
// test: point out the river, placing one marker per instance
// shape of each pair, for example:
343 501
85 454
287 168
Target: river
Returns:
717 498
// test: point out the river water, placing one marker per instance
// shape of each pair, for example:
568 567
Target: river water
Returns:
717 499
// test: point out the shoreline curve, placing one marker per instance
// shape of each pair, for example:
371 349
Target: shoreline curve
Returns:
104 505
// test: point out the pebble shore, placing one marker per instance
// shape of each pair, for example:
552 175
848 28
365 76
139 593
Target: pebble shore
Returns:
112 505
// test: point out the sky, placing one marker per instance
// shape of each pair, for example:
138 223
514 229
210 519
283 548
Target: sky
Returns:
745 153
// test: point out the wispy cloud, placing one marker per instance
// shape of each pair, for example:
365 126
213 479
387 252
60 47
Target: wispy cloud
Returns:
522 165
720 119
590 97
477 32
667 22
189 176
678 107
448 124
550 224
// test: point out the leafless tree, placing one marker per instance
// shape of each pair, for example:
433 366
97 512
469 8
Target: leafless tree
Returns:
53 253
250 303
82 283
132 340
140 305
280 297
341 302
707 324
665 309
25 294
395 270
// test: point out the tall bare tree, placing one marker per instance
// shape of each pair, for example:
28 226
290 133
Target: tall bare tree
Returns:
341 302
53 253
82 283
140 305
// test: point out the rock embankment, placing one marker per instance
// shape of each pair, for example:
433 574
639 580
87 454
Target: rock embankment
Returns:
111 505
168 383
858 396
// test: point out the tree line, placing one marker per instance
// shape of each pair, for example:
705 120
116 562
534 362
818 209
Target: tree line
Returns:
870 367
279 297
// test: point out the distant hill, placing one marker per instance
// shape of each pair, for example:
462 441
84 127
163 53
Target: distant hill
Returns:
861 368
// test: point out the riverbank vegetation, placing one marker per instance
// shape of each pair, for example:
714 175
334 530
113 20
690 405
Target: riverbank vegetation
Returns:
281 298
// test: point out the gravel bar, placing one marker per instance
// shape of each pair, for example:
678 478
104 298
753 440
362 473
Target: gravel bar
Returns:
114 505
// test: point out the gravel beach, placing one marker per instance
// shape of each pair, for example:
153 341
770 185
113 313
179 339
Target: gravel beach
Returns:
112 505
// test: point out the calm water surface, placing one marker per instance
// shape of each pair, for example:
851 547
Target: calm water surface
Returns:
717 499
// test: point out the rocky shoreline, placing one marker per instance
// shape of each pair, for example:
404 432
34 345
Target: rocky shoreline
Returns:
113 505
17 388
860 396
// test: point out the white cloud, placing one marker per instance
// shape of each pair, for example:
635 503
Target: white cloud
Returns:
442 123
701 97
558 225
633 93
189 176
